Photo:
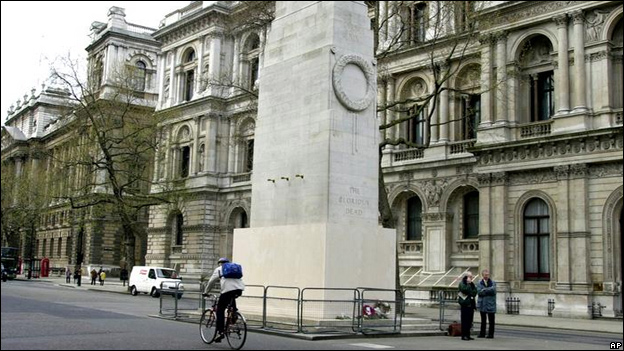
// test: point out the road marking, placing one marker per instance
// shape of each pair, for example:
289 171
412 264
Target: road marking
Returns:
372 346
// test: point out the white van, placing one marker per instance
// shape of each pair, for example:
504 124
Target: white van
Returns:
147 279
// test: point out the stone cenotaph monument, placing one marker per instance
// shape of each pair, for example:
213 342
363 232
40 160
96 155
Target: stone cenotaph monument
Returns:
314 214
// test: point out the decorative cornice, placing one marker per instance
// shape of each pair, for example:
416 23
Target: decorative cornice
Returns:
606 170
437 216
562 172
573 234
577 17
484 179
530 10
499 178
561 20
583 145
578 171
597 56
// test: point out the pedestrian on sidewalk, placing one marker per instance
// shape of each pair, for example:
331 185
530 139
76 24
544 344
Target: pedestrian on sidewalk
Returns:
94 276
123 276
487 303
68 275
466 299
102 277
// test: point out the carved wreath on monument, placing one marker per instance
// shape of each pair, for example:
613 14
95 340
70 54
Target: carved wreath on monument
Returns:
341 94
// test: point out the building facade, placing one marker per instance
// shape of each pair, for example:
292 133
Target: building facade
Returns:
513 123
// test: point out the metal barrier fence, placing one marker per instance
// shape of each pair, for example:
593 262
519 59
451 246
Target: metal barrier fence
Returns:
180 303
316 310
282 308
380 311
512 305
420 303
326 310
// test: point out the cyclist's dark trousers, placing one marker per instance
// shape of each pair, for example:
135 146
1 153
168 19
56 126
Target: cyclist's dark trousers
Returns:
224 301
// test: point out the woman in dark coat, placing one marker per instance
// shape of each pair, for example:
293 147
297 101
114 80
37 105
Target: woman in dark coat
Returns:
466 298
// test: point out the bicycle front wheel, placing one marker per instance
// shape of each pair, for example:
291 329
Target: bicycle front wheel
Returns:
208 326
236 331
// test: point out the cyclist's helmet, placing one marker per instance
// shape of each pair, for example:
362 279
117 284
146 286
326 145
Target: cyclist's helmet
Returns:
223 260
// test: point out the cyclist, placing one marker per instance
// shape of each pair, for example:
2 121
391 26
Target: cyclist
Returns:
231 288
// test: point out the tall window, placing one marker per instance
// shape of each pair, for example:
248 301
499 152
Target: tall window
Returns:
251 61
414 219
139 76
463 11
249 155
536 241
471 115
185 156
59 252
414 22
188 76
416 125
471 215
542 98
177 226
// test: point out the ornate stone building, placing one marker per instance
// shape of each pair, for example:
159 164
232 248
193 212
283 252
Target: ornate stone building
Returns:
523 173
515 166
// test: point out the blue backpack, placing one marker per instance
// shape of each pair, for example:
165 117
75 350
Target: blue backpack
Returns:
232 270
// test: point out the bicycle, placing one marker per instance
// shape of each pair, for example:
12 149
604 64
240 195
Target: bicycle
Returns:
235 328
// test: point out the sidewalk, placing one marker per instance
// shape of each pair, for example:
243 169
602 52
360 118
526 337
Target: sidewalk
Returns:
591 325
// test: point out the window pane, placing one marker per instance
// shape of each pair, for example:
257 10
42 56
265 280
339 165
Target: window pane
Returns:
414 219
536 207
544 265
530 226
530 254
544 225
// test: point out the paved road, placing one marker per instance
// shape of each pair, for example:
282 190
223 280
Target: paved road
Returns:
37 315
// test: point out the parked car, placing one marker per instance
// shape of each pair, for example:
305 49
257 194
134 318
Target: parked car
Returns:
155 281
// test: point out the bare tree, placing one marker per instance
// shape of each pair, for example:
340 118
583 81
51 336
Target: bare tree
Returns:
114 138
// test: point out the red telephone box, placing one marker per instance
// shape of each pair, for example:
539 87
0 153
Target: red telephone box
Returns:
45 267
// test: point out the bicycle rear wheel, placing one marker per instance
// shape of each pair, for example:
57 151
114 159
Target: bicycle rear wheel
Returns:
208 326
236 331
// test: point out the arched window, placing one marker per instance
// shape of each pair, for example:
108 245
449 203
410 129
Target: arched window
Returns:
414 219
140 75
185 158
468 100
536 240
414 129
414 22
471 215
538 84
251 60
617 39
188 74
178 222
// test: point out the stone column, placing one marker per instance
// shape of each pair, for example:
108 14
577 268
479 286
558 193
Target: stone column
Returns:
435 118
194 149
231 147
235 64
200 78
382 115
563 269
486 73
485 203
512 93
172 85
167 173
211 143
501 73
110 63
563 63
162 62
444 115
394 131
579 227
579 62
214 70
498 225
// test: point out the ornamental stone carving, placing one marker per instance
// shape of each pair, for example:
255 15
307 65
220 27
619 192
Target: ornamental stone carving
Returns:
483 179
499 178
595 23
578 171
350 102
606 170
562 172
433 191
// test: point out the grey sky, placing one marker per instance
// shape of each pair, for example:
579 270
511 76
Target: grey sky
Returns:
34 33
